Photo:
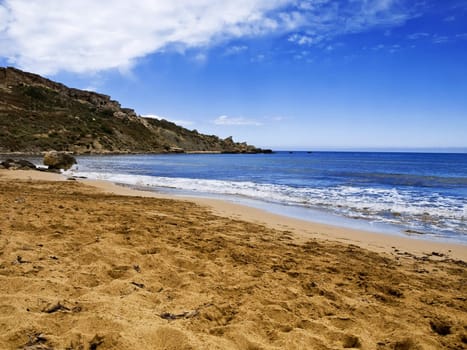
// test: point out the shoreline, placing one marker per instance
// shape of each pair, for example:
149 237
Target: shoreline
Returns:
124 153
302 229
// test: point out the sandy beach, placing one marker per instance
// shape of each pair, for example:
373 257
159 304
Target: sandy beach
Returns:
92 265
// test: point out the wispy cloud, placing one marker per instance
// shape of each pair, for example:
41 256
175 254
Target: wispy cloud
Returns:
437 38
441 39
277 118
91 88
391 48
378 47
417 36
235 50
301 39
258 58
236 121
185 123
201 57
152 116
48 36
394 48
325 20
302 55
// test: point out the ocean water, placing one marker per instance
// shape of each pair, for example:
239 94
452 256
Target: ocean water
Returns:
414 193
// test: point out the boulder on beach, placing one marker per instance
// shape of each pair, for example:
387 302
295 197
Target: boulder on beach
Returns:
59 160
17 164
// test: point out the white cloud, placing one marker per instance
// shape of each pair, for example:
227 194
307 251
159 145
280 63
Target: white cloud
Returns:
437 38
441 39
225 120
301 39
3 18
185 123
394 48
366 14
236 49
293 20
85 36
91 88
416 36
389 48
324 20
201 58
301 55
258 58
378 47
278 118
152 116
47 36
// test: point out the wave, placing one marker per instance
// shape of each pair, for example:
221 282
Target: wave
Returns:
402 179
428 212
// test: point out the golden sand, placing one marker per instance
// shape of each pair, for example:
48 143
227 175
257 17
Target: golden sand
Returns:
83 268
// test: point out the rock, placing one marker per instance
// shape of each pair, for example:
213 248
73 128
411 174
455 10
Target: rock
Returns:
351 341
229 140
96 342
59 160
25 164
440 327
17 164
176 150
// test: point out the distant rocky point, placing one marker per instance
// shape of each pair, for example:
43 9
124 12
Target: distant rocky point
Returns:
39 115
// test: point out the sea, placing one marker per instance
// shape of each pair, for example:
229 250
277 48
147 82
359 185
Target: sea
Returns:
423 195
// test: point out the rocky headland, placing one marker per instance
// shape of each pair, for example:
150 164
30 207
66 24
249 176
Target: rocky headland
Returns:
39 115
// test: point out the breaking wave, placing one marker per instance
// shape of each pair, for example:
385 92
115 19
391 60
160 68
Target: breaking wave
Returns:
424 212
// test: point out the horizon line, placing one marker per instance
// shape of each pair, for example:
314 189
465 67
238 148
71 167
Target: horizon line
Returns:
460 150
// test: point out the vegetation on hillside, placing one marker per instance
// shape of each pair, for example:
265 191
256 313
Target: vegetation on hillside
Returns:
38 115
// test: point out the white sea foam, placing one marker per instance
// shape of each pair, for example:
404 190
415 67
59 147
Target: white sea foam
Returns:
429 213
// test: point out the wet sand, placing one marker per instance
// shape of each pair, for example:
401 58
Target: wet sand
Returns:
105 267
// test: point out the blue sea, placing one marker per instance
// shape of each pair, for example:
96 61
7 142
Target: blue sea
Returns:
420 194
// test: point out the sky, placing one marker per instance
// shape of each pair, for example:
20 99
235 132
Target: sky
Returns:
281 74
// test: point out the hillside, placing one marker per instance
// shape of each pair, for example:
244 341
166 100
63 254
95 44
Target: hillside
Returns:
37 115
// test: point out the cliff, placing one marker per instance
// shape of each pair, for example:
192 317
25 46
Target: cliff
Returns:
37 115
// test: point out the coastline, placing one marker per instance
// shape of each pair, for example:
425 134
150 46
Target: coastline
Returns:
93 265
303 229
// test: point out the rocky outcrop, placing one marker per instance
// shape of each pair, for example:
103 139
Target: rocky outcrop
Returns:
59 160
39 115
17 164
11 77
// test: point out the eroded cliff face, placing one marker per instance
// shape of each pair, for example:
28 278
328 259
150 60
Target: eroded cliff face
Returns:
38 114
11 77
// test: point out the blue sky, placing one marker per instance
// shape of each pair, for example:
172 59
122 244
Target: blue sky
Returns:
285 74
